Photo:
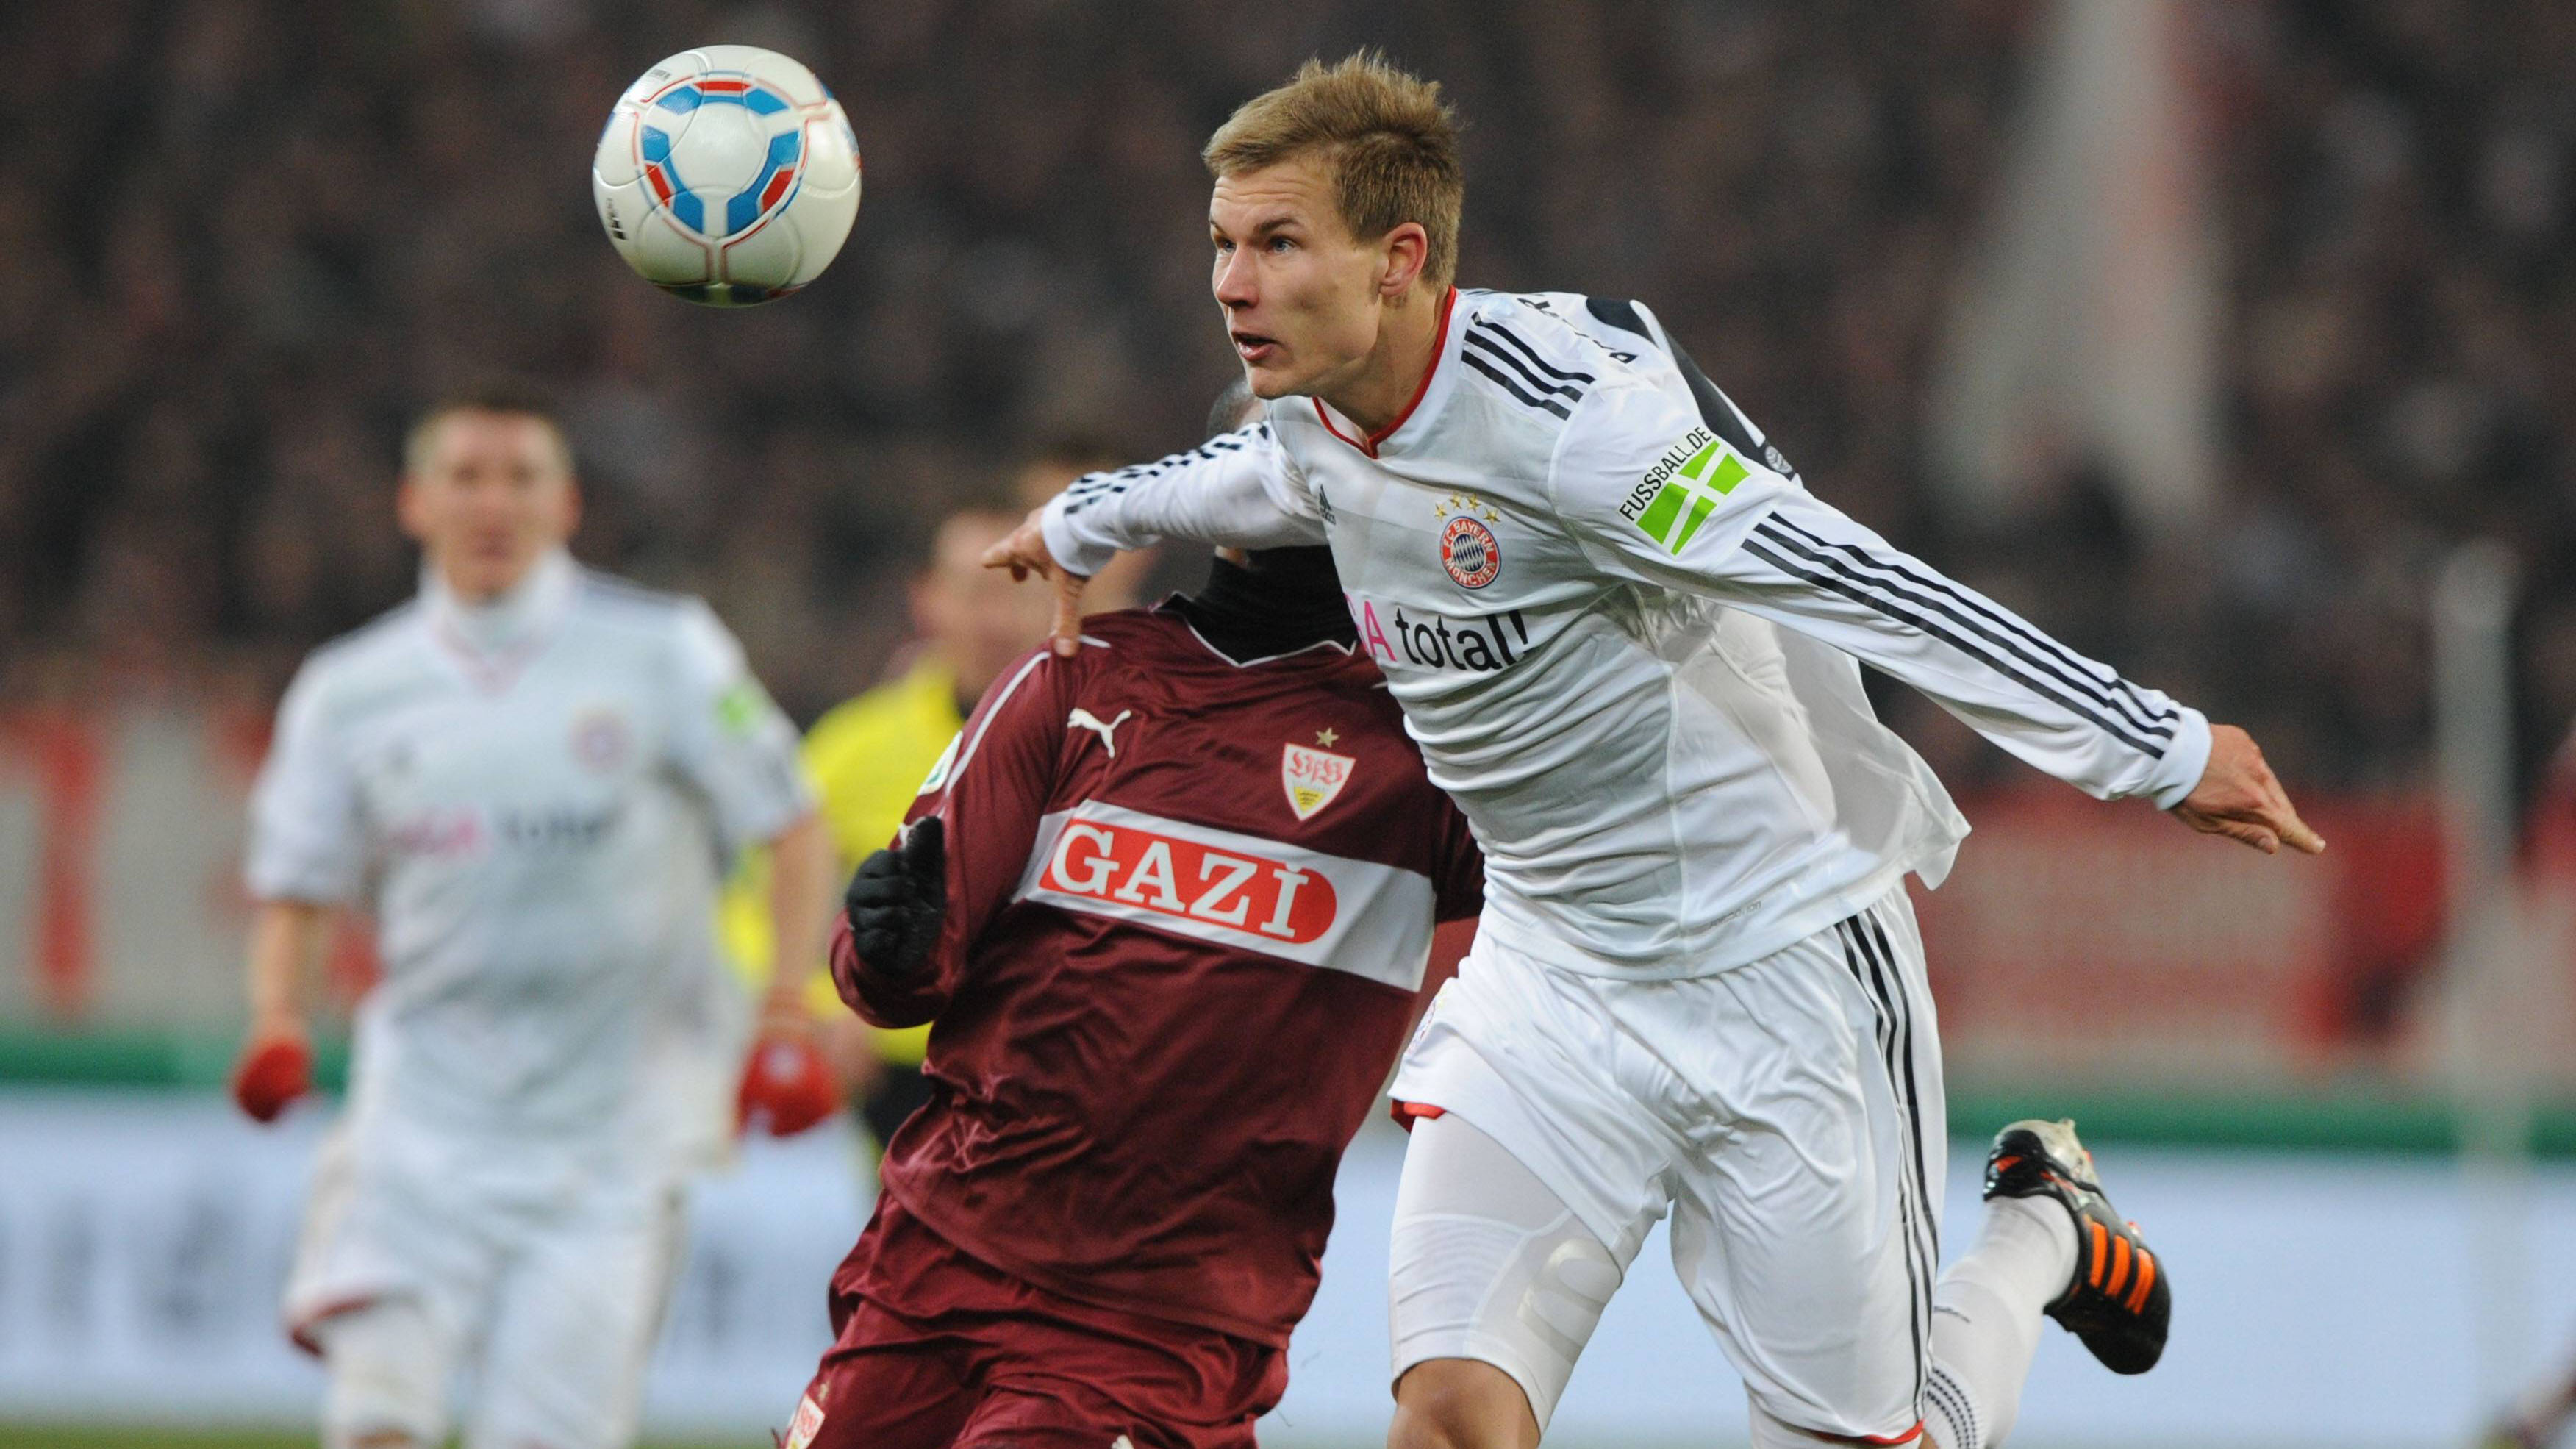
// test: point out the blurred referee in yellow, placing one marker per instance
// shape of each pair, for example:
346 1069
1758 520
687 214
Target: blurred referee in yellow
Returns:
868 757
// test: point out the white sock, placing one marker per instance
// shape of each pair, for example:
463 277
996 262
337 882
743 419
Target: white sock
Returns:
1985 1320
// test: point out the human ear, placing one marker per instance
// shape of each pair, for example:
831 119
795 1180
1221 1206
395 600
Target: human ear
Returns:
1404 251
411 509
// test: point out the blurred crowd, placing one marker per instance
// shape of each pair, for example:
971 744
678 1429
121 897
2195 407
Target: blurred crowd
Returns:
246 238
2395 192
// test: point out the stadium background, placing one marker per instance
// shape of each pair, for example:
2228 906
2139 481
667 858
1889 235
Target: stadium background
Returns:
2203 333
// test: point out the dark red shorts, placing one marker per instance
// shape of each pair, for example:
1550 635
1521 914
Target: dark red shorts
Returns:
935 1349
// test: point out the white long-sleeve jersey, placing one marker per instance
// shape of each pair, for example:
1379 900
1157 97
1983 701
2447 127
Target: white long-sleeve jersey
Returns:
1625 636
532 797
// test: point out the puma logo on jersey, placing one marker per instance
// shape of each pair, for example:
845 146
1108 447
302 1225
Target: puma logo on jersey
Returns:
1083 719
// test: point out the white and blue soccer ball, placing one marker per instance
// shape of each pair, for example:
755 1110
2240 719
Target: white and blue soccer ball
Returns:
727 175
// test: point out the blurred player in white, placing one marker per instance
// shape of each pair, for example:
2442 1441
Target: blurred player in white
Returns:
1625 634
528 775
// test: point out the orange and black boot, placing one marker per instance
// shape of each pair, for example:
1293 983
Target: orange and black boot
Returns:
2122 1298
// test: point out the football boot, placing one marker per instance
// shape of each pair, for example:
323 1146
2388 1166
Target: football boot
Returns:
2121 1298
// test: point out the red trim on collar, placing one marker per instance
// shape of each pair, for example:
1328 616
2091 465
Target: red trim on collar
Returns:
1439 345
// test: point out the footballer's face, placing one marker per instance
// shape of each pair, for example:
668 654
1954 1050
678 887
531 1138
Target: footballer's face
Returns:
1302 296
974 619
487 495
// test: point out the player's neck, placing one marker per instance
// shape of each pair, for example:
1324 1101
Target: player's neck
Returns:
1293 602
1408 342
504 615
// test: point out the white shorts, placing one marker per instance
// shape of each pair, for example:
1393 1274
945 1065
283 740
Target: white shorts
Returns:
419 1258
1788 1113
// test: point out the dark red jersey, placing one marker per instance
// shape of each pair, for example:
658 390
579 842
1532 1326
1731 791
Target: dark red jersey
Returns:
1190 903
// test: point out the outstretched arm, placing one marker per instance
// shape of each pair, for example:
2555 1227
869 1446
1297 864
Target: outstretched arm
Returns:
1238 490
1811 568
2239 797
1726 527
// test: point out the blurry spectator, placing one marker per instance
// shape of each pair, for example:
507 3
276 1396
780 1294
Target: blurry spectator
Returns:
1126 581
869 756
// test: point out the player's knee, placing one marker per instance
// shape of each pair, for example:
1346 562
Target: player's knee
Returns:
1457 1403
376 1436
388 1379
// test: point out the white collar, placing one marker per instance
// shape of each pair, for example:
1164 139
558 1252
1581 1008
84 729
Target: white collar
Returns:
510 622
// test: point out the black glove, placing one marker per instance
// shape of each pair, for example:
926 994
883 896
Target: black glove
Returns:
897 900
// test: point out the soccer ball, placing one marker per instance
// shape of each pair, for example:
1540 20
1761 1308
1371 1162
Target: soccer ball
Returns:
727 175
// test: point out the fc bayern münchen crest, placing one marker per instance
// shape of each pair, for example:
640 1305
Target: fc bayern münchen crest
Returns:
1469 551
600 739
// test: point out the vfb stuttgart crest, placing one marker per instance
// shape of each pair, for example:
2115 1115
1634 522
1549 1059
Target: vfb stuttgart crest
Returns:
1312 777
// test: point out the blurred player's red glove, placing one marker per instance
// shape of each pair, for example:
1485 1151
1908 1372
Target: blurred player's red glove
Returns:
786 1084
273 1072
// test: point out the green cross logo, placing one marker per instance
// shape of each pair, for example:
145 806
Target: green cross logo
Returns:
742 707
1692 494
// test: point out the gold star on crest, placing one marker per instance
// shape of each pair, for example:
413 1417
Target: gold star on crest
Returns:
1326 738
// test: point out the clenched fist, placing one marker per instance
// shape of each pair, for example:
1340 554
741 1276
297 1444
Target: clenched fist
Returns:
898 899
276 1067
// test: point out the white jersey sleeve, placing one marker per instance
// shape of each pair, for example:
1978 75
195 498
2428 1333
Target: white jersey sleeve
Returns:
1657 495
307 841
1239 490
728 739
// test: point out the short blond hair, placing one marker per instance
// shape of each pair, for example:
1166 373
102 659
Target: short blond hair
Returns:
503 396
1391 142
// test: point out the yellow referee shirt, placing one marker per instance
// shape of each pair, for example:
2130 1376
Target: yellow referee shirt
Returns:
867 759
